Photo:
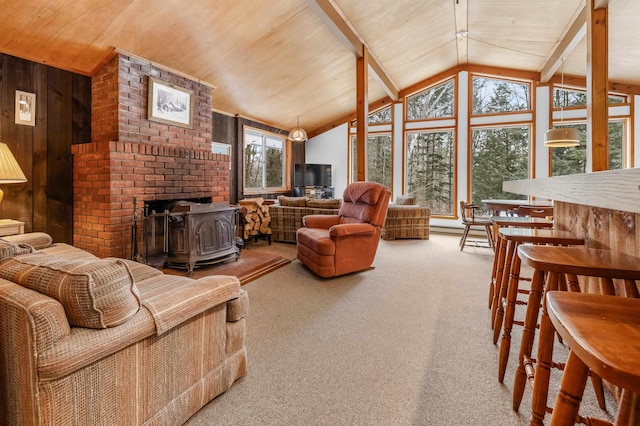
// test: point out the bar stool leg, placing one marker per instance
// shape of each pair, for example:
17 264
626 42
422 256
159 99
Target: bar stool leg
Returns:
501 286
569 397
528 335
545 359
508 283
494 270
628 409
512 295
502 250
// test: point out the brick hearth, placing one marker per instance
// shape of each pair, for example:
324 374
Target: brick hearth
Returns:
130 156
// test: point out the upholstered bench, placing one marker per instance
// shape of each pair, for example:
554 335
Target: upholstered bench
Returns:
405 219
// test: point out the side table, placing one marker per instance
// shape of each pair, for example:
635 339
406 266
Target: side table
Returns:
11 227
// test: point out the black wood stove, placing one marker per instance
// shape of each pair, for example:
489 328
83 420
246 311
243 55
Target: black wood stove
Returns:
189 234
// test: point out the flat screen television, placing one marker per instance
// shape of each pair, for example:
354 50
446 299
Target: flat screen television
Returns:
312 175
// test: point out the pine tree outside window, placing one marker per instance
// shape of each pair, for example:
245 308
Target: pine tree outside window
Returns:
264 156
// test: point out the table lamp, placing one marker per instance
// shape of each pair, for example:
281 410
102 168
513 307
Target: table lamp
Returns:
10 171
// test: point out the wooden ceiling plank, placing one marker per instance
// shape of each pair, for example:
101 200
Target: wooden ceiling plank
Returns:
577 31
461 8
334 18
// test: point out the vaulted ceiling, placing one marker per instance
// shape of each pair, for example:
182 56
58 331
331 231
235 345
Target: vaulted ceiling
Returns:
277 60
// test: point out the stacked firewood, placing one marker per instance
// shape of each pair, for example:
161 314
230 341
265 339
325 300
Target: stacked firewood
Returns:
256 217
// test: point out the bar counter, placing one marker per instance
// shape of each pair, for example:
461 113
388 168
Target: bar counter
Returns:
603 207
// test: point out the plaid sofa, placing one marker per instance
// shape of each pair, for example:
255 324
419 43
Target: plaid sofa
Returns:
287 214
405 219
90 341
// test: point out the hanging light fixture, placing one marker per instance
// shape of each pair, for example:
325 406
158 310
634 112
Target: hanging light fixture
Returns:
298 134
562 136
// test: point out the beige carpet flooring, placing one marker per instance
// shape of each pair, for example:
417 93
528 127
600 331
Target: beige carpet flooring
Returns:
406 343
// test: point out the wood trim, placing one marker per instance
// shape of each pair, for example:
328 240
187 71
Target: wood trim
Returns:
574 35
421 85
581 83
374 106
597 88
362 113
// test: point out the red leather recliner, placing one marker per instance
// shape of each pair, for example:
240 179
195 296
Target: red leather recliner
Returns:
337 245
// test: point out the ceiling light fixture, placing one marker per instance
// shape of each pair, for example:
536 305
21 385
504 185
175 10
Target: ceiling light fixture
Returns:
298 134
562 136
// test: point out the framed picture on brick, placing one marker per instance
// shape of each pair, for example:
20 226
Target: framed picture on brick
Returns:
170 104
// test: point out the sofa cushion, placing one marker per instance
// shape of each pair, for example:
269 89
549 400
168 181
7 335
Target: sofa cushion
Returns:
324 203
98 293
285 201
10 249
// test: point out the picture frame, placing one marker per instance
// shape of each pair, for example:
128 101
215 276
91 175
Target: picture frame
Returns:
170 104
25 108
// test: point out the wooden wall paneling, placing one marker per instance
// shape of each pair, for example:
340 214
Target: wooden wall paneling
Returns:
18 200
598 230
81 109
622 236
40 140
59 158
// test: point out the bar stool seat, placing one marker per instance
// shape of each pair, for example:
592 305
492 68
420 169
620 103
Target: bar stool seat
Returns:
500 249
556 263
507 293
603 334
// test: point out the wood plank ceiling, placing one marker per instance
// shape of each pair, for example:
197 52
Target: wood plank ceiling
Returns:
275 60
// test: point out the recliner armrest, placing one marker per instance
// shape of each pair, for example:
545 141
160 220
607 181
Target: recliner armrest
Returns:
320 221
347 229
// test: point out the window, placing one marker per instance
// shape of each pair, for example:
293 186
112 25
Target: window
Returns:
436 102
490 95
566 98
379 117
498 154
430 163
573 160
264 160
378 159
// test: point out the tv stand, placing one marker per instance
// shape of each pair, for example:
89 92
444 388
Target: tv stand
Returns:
313 191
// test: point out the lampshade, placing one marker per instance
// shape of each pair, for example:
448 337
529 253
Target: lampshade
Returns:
562 137
10 171
298 134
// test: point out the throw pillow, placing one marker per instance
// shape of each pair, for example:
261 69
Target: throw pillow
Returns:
405 200
98 293
292 201
10 250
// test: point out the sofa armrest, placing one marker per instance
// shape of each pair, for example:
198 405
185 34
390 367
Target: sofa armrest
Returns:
173 299
37 240
320 221
348 229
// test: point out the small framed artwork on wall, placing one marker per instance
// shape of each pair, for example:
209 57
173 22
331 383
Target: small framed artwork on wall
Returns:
25 108
170 104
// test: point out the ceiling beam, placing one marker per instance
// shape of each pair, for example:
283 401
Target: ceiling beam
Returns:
335 19
577 31
462 28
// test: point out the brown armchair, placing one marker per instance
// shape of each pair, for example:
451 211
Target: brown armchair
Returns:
337 245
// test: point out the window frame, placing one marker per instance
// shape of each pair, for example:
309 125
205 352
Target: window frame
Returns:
286 167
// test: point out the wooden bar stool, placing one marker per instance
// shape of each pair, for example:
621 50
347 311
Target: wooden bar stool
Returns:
556 263
500 256
507 295
603 334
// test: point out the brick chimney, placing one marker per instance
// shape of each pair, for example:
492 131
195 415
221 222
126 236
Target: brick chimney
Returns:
130 156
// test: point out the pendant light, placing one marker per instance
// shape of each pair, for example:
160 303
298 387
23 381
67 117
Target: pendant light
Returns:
562 136
298 134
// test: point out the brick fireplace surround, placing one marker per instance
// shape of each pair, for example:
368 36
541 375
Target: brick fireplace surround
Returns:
130 156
